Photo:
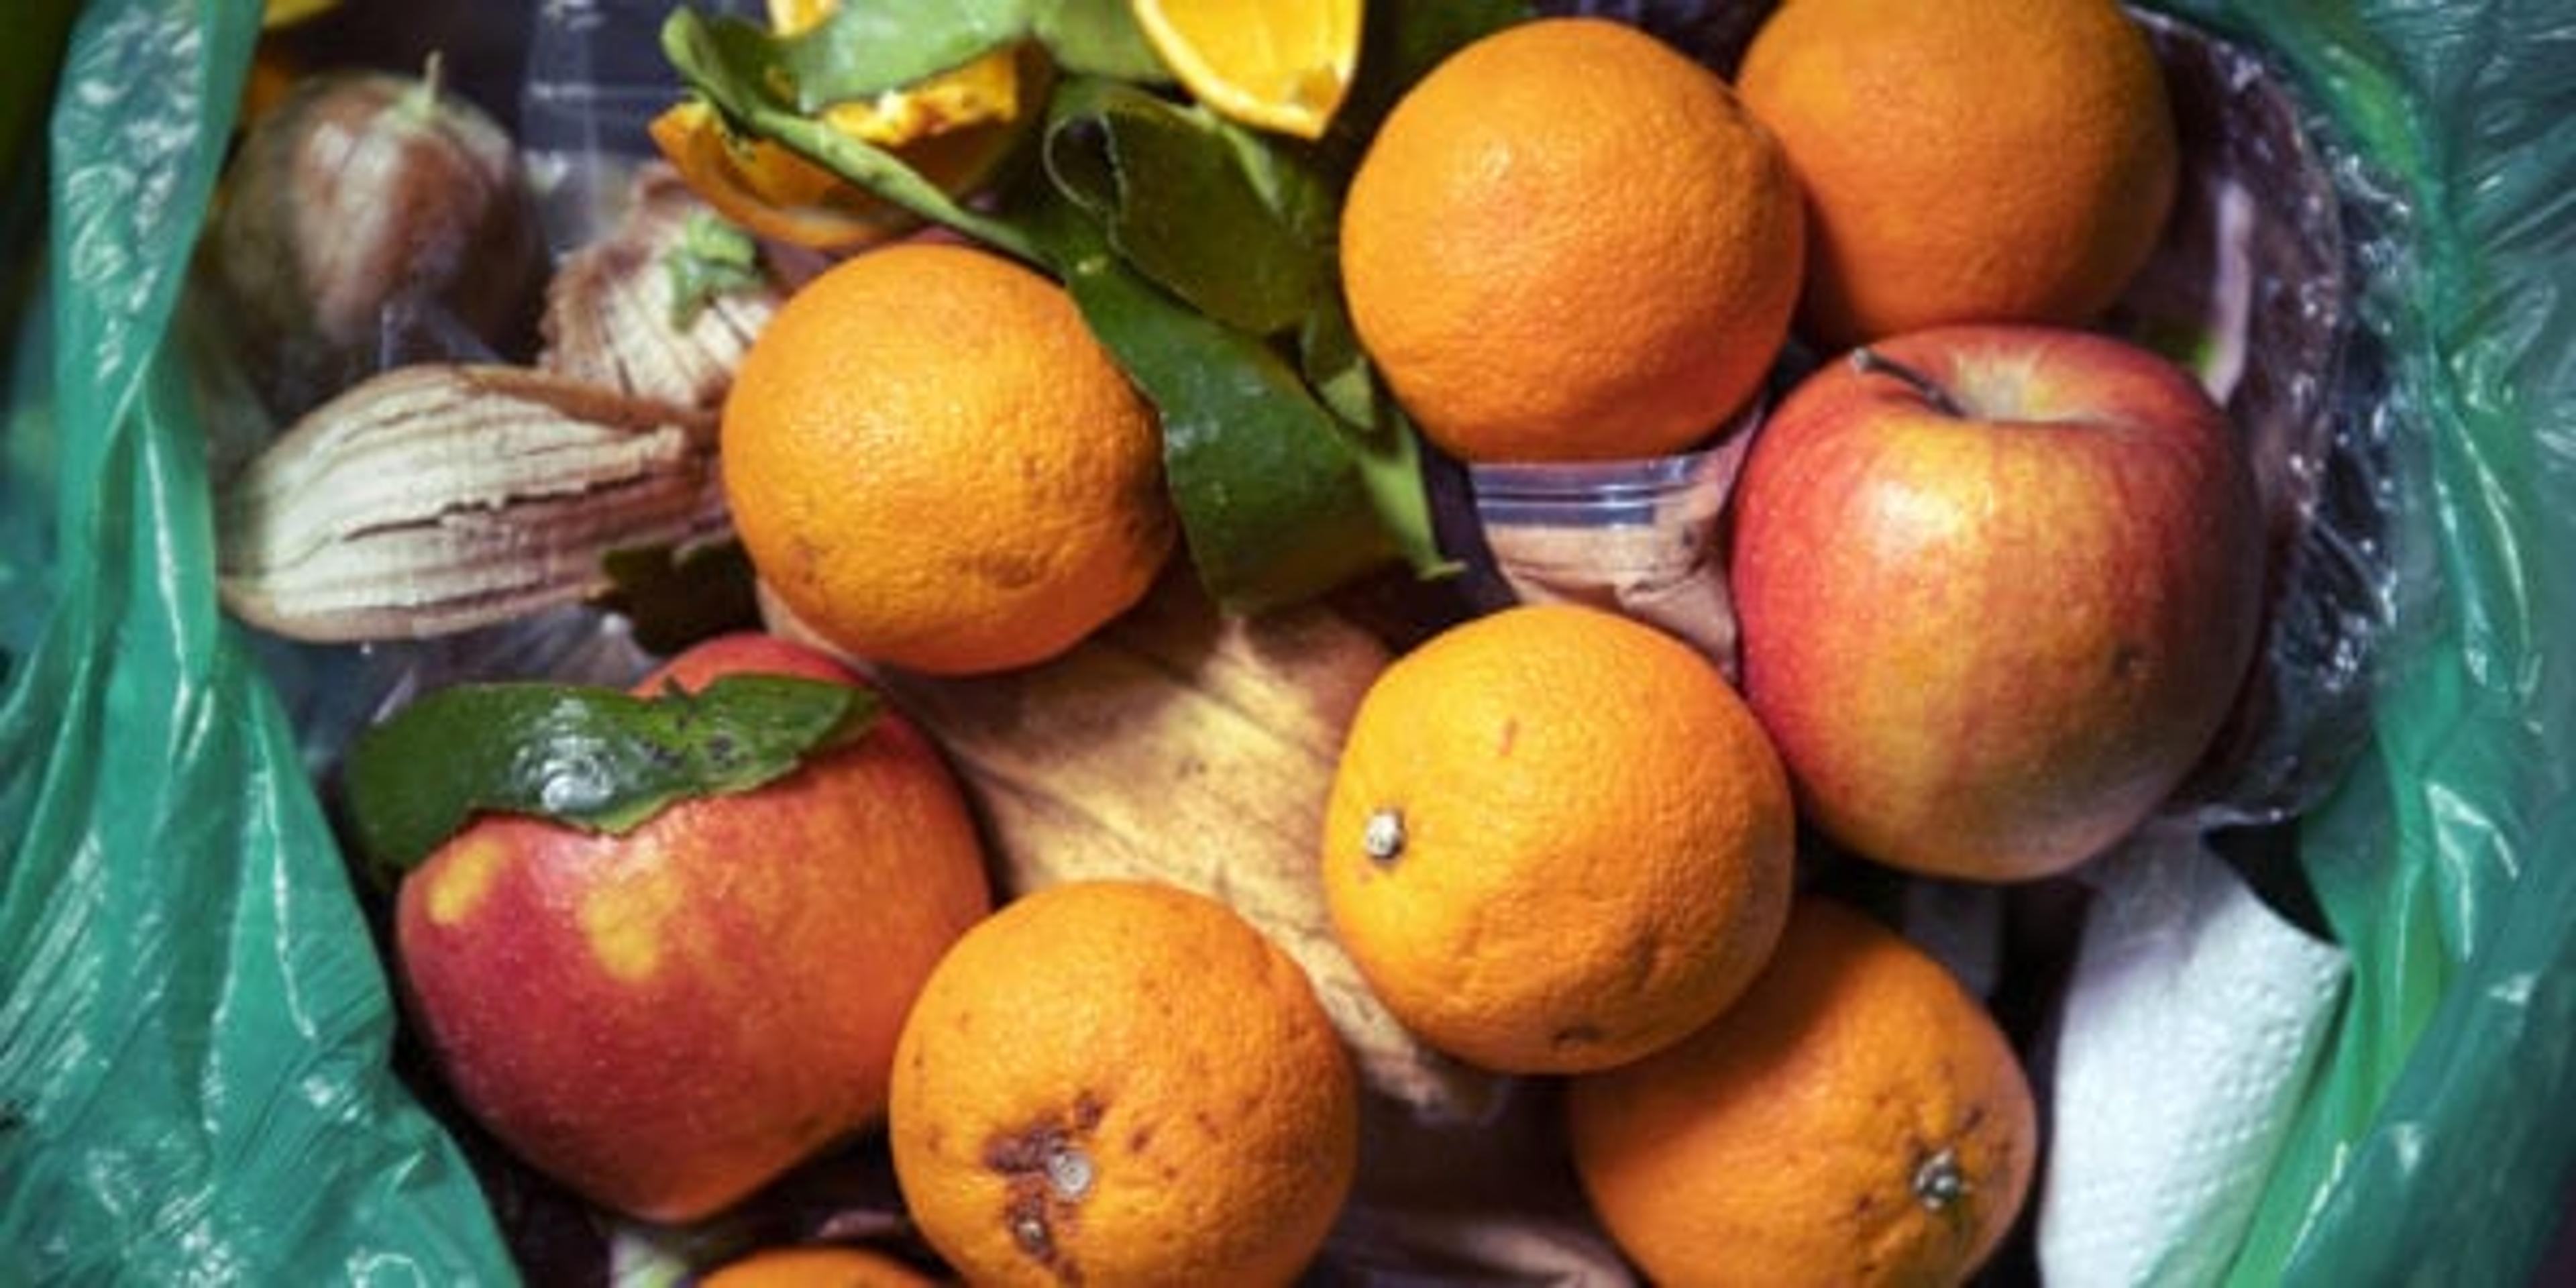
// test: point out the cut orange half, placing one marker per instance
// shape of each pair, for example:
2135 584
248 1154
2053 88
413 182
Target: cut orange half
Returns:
1281 65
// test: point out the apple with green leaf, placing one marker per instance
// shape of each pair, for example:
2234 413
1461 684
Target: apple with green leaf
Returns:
666 956
1998 588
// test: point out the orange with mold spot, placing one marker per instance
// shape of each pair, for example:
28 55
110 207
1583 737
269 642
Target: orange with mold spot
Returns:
1117 1082
667 1019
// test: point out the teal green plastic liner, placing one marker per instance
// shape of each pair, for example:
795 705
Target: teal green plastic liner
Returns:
195 1025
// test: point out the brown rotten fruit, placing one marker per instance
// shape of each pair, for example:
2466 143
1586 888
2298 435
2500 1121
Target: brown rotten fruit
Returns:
365 204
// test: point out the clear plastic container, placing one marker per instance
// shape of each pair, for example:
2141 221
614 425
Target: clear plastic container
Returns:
1642 537
596 78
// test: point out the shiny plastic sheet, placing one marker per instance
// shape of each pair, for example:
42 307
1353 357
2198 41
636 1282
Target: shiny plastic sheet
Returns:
2435 1147
194 1025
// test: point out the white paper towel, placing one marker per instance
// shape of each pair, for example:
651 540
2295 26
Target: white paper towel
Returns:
2191 1022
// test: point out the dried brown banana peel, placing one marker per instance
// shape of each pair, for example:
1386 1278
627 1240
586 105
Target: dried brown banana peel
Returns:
434 499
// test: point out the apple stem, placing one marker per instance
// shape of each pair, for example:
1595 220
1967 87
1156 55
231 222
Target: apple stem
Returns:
422 102
1870 362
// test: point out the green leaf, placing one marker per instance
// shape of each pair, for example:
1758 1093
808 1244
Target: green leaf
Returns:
1298 183
1097 38
1384 444
594 758
711 258
867 47
697 51
1167 186
864 49
1338 369
1272 505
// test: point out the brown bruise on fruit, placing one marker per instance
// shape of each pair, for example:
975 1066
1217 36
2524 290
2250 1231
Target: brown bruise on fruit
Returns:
1048 1169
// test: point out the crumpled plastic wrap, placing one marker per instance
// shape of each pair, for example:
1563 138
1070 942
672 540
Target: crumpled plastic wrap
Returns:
195 1031
193 1020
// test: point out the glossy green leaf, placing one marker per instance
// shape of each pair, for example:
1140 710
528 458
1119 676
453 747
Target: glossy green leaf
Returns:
867 47
1271 502
594 758
863 49
712 258
1176 205
1097 38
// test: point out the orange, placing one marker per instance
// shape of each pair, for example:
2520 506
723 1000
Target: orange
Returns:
932 463
1122 1083
1568 242
2003 160
1556 840
815 1267
1856 1119
1280 65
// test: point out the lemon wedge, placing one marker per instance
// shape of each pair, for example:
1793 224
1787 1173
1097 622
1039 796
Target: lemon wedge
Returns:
1280 65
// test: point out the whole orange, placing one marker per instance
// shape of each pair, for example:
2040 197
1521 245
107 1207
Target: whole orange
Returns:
1556 840
665 1020
1855 1119
933 463
819 1266
1122 1083
1993 161
1568 242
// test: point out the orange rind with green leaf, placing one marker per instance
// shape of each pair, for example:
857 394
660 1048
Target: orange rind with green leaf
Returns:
955 129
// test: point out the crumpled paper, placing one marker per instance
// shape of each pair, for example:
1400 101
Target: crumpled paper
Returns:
2193 1019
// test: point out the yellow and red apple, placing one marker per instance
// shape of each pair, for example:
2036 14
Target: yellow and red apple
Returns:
1998 588
667 1019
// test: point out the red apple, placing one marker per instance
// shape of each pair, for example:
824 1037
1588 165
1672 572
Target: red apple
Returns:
667 1019
1998 588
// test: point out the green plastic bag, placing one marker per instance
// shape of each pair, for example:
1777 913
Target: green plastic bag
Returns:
2435 1147
194 1024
